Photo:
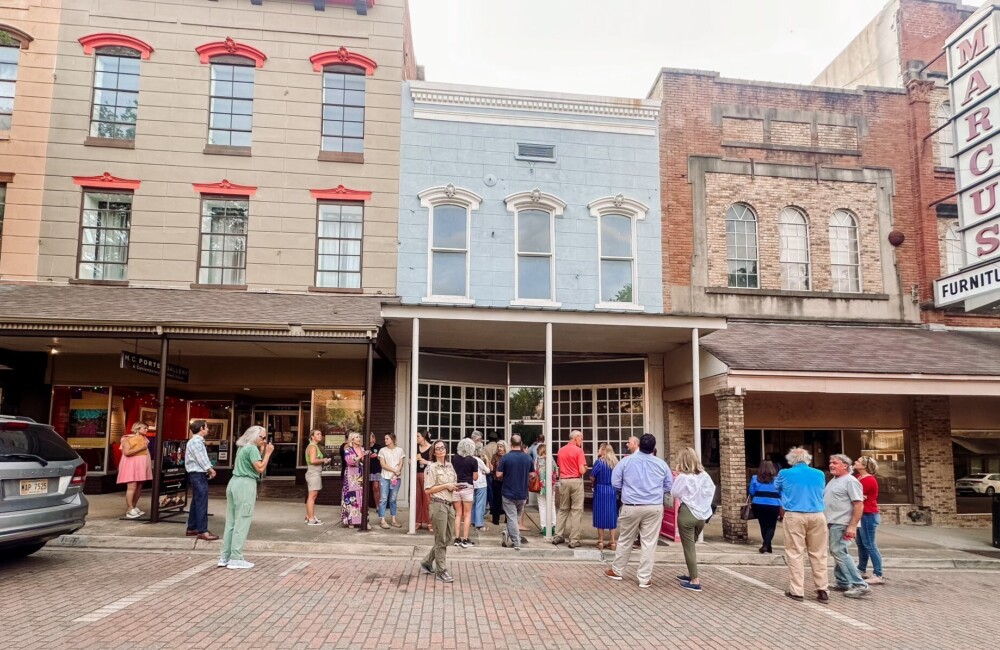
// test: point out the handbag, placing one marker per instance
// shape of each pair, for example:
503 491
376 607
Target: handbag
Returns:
746 511
534 483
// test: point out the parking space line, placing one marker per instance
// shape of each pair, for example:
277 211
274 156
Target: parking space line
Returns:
819 608
142 594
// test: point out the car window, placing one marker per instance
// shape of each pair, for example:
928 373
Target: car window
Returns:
37 440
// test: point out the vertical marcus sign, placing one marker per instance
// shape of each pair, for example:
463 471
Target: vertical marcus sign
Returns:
974 82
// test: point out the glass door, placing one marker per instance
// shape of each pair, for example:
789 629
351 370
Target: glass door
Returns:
282 424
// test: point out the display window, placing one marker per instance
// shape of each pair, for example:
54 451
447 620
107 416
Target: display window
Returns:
336 413
218 415
83 416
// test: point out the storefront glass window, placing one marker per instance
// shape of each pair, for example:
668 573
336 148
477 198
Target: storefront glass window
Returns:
336 413
218 415
604 414
81 416
888 448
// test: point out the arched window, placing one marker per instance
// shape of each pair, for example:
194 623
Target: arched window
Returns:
448 238
793 233
954 255
946 136
534 240
618 218
845 259
741 247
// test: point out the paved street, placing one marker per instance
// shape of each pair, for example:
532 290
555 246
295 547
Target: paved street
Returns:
124 599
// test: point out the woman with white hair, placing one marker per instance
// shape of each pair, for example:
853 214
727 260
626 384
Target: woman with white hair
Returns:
354 484
241 494
467 469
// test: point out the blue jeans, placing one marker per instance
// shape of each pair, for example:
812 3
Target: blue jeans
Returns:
198 514
479 508
845 572
388 489
867 548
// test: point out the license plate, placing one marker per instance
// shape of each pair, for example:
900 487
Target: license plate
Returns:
40 486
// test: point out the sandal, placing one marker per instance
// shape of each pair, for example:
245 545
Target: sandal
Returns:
613 546
600 546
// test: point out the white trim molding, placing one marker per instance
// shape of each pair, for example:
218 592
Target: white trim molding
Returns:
440 195
449 194
618 204
537 200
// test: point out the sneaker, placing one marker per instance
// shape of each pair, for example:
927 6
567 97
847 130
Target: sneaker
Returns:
444 576
690 586
133 514
239 564
822 595
517 548
464 543
315 522
574 544
864 574
876 580
457 542
139 512
794 596
611 574
223 562
504 539
524 540
469 542
840 588
382 524
684 578
426 568
645 585
858 592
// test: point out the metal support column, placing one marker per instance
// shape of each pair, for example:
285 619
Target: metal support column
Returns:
696 389
367 433
414 379
547 429
154 506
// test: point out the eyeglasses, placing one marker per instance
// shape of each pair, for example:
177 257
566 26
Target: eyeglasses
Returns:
439 448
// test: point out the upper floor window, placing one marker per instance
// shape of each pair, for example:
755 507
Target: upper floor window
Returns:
618 218
845 259
224 222
116 93
741 247
8 77
946 136
954 255
339 245
231 104
793 234
534 239
343 109
449 235
104 235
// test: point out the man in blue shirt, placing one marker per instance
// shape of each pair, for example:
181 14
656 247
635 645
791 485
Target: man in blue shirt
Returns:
514 469
801 490
199 469
643 480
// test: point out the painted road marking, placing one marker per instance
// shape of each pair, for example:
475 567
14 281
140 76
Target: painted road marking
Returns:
292 569
142 594
819 608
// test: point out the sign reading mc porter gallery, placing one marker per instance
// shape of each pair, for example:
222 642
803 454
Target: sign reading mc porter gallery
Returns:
974 83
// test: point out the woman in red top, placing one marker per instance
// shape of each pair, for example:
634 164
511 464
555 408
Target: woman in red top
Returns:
865 468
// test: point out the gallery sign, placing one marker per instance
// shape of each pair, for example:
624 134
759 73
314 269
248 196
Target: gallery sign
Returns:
974 83
151 366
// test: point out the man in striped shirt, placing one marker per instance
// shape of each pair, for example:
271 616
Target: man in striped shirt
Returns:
200 470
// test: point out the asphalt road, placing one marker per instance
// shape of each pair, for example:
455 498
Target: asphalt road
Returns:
140 599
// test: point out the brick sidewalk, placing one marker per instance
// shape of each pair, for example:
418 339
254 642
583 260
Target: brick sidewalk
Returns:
295 602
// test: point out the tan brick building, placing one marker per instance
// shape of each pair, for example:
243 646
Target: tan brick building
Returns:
223 177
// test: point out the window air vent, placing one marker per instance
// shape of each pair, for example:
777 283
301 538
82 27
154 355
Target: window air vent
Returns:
537 152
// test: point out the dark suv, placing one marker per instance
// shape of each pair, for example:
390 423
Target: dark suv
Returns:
41 486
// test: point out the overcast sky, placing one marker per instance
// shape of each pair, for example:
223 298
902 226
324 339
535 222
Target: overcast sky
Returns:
616 47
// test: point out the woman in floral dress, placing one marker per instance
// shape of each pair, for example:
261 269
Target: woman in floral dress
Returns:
354 467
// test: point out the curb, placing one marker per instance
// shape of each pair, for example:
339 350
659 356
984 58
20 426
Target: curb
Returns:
670 555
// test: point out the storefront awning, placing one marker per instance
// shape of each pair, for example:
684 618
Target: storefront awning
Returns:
81 310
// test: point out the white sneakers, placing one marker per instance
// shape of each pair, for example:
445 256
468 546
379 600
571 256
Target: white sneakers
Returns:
134 513
238 564
223 561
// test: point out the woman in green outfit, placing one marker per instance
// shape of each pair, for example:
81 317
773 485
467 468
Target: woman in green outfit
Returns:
241 495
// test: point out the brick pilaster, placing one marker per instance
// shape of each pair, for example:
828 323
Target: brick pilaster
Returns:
732 464
679 426
932 463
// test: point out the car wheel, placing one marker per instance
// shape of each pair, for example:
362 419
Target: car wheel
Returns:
990 491
20 551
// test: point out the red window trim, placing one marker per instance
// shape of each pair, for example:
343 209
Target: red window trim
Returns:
231 48
94 41
22 37
225 188
343 56
106 182
341 193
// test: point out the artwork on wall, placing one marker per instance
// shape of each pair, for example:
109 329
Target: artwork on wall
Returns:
148 417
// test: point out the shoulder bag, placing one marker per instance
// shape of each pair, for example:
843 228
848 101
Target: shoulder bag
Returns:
746 510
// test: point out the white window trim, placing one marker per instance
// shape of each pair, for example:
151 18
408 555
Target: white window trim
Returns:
636 211
451 195
536 200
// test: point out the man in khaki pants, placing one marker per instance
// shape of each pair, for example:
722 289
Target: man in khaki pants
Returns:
572 466
801 489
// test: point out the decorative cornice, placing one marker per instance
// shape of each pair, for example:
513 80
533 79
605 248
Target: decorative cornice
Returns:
618 204
225 188
231 48
94 41
343 56
449 194
535 199
107 182
22 37
487 98
341 193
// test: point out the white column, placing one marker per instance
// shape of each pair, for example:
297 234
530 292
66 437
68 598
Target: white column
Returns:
547 428
414 382
696 389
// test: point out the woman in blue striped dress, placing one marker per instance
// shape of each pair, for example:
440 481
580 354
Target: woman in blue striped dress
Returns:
605 506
